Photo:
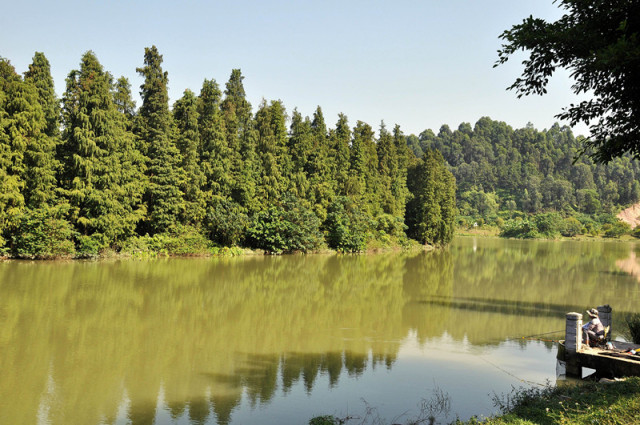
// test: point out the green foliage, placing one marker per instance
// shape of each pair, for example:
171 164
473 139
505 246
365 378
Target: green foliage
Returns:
123 101
287 228
145 246
571 227
208 171
227 222
215 155
347 226
431 211
183 240
186 117
43 233
163 197
598 42
519 228
586 403
240 137
186 240
616 229
274 165
90 246
548 225
633 323
226 251
29 164
325 420
499 169
102 170
39 75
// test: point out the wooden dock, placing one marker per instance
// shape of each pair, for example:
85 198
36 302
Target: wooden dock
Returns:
611 363
616 362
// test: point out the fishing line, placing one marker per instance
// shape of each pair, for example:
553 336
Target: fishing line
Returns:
555 341
546 333
511 374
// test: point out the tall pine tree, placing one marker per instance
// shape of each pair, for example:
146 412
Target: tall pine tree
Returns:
319 169
155 129
185 112
387 168
271 148
431 212
340 154
215 154
32 165
101 174
241 139
11 199
299 147
124 103
39 75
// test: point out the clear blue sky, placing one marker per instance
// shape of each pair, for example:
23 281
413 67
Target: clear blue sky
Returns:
419 64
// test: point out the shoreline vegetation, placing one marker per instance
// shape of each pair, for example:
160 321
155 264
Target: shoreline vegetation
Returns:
234 251
91 175
609 403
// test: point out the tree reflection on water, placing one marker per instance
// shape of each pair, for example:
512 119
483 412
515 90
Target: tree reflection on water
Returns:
81 342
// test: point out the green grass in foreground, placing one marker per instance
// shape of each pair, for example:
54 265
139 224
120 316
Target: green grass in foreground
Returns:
584 403
588 403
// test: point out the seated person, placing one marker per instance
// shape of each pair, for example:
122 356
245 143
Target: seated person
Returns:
593 330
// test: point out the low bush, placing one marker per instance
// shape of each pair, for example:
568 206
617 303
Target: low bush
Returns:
521 229
571 227
43 233
227 222
347 227
90 246
287 228
616 229
183 240
548 224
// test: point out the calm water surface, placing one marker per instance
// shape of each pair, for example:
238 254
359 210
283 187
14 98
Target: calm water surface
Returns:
277 340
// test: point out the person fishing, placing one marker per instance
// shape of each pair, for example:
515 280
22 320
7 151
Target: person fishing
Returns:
593 330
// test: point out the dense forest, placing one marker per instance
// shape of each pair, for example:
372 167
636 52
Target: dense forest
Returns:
532 183
90 173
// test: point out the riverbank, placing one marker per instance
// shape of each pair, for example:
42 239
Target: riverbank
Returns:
588 403
494 232
170 248
568 403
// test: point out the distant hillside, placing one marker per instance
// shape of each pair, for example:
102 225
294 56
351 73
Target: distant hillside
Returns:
501 171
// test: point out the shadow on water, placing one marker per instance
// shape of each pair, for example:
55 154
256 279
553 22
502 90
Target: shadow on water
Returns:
506 307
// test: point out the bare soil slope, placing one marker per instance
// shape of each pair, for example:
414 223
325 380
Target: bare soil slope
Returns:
631 215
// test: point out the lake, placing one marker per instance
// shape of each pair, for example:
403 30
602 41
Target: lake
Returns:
278 340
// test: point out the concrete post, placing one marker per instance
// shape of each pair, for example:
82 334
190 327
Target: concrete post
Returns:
604 313
573 343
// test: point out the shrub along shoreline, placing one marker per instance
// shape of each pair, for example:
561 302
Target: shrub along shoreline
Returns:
194 245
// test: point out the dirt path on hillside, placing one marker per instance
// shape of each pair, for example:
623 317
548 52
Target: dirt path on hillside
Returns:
631 215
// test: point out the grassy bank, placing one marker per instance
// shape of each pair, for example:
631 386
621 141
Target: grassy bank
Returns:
589 403
584 403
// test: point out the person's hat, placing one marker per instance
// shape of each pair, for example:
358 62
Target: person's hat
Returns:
593 312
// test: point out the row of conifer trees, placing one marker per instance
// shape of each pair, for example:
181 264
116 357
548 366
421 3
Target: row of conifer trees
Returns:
90 171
